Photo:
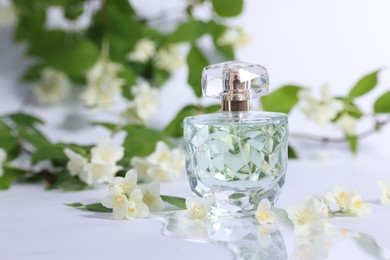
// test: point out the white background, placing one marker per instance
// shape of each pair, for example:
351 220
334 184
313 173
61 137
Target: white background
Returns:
305 42
309 43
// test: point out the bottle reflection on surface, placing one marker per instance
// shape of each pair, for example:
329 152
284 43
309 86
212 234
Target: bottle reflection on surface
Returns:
242 236
246 239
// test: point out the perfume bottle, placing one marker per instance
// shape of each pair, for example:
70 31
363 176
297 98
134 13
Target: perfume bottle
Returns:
236 157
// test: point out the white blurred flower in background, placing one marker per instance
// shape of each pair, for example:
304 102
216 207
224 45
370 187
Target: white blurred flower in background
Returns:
309 217
53 88
8 14
347 124
102 165
106 152
143 51
163 165
384 187
170 58
98 173
320 110
103 84
237 37
145 104
3 157
76 162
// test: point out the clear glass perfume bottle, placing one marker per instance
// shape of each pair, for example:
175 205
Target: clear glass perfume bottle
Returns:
236 157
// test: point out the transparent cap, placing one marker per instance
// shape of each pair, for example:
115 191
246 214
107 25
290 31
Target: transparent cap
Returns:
234 79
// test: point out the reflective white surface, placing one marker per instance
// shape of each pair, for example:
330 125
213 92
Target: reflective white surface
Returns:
34 224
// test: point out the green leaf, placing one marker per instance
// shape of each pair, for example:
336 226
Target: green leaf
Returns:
72 12
160 77
10 175
75 205
176 201
7 140
33 73
97 207
130 77
175 127
216 30
75 58
30 22
228 8
281 100
46 43
291 153
188 32
49 152
108 126
382 104
141 141
66 182
196 62
282 216
353 142
32 136
25 119
364 85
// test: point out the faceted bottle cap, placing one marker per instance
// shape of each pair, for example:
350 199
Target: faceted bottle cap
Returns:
234 81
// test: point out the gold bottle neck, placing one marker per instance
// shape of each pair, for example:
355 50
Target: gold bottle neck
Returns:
231 105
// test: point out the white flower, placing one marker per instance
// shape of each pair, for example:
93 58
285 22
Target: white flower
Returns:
237 37
139 208
8 14
126 207
3 157
124 185
126 199
98 173
76 162
341 196
264 214
143 51
320 110
349 201
169 58
163 165
347 124
146 101
141 166
358 207
152 196
103 84
53 87
118 203
197 207
384 187
169 163
309 217
106 153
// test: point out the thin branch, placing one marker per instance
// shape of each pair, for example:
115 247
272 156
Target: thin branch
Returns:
329 139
